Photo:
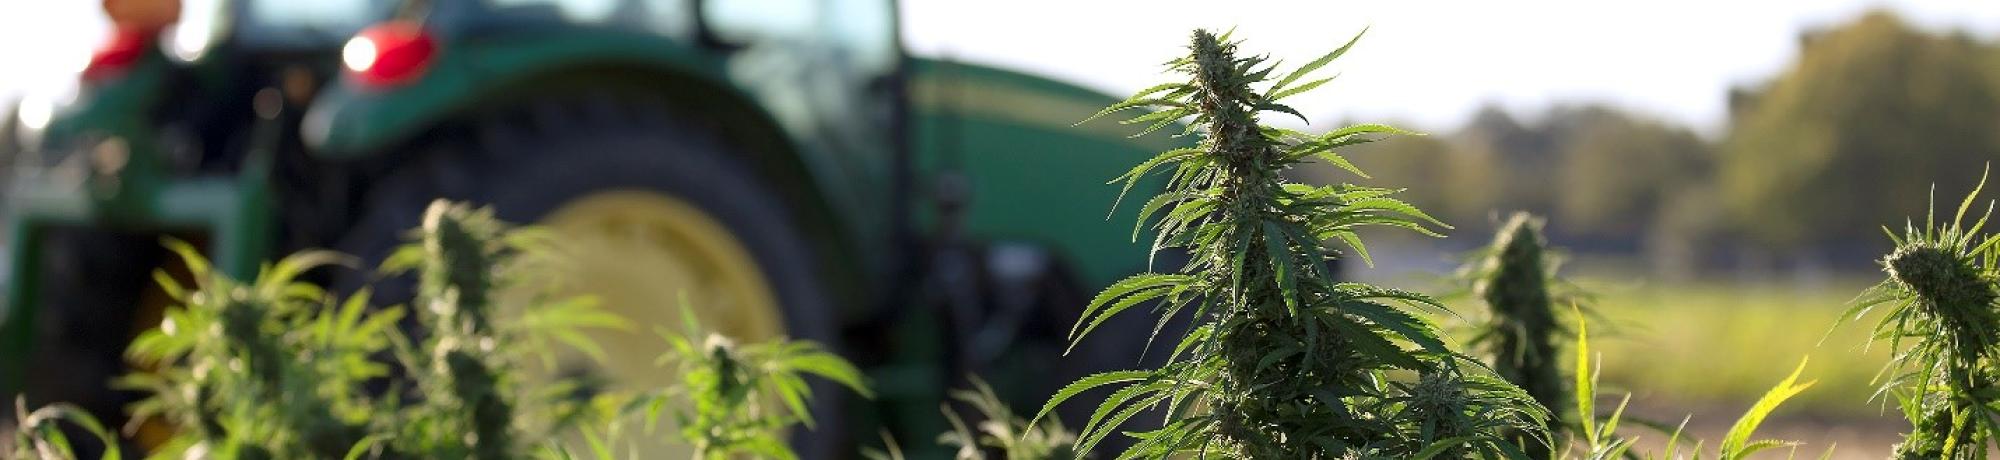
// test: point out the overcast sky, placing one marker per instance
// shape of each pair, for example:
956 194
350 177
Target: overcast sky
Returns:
1427 62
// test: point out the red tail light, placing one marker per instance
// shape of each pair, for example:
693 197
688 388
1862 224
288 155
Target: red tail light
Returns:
389 53
117 55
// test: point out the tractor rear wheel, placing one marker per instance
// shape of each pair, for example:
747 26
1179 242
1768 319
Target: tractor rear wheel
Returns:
646 210
96 293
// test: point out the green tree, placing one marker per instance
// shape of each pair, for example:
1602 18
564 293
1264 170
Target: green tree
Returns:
1599 170
1620 170
1839 144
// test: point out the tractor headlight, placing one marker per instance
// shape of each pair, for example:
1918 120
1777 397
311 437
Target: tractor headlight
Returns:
201 24
34 113
30 117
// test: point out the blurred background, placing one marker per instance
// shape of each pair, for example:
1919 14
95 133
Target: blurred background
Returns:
1719 171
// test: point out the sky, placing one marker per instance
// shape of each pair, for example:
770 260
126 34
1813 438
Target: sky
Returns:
1429 63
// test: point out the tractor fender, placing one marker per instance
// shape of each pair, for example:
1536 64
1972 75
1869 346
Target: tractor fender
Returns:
1006 132
351 121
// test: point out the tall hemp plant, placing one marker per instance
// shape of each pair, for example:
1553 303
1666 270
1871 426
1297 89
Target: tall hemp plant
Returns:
1282 361
1521 335
470 399
1942 324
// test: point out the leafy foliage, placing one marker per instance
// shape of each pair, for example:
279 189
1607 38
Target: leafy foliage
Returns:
1600 441
1520 336
470 402
277 368
40 435
1943 328
268 369
1879 100
999 429
1282 361
738 399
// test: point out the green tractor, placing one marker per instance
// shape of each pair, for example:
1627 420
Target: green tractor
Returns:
784 164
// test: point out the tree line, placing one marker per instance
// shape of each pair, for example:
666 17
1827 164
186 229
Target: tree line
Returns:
1810 165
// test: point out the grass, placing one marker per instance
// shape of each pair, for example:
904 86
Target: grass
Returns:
1603 440
1718 343
1515 291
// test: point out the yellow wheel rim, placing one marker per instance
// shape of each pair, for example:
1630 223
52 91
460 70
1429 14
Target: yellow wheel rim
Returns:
638 253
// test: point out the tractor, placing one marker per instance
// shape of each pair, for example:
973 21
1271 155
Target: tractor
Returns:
784 165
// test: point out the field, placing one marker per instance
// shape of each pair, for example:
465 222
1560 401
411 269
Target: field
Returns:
1724 343
1710 348
1707 349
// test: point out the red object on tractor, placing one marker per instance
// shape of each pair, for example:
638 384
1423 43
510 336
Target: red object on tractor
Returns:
389 53
126 46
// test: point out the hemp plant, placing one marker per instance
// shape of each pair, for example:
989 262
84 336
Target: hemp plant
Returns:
40 436
998 430
1002 431
469 400
1282 361
1943 328
1521 336
279 368
269 369
738 400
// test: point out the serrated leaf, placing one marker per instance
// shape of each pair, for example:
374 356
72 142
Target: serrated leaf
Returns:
1315 64
1085 384
1736 443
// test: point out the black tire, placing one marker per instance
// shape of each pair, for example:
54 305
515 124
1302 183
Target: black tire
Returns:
530 166
91 283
